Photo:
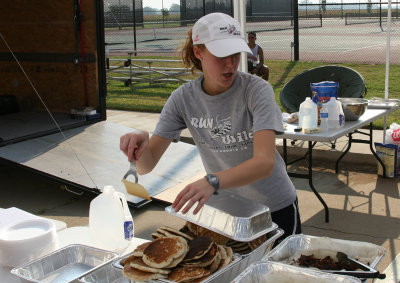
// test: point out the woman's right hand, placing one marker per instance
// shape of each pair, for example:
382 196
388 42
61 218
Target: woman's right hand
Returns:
134 144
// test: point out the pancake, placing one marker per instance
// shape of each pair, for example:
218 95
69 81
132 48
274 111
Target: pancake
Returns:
216 262
229 252
157 235
178 260
182 274
225 261
205 260
242 250
176 232
218 238
138 263
237 244
138 252
186 230
139 275
127 260
257 242
161 231
192 227
162 251
198 248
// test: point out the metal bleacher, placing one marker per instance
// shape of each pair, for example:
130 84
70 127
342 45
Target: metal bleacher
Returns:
139 73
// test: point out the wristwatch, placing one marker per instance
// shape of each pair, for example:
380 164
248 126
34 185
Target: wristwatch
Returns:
213 181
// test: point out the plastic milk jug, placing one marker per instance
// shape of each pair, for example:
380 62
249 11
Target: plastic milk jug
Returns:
110 221
324 115
333 110
308 114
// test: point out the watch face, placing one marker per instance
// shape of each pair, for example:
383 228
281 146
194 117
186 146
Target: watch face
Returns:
213 179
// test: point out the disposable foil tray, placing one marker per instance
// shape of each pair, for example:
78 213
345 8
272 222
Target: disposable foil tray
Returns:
64 265
271 272
237 218
294 246
225 274
254 255
261 251
105 274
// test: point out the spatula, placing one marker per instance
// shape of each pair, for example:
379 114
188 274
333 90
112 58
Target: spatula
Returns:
134 188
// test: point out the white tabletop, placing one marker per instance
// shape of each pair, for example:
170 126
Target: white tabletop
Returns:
369 116
66 236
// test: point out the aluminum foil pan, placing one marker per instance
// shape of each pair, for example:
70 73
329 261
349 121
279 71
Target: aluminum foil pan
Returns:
64 265
255 255
263 249
237 218
105 274
290 249
273 272
226 274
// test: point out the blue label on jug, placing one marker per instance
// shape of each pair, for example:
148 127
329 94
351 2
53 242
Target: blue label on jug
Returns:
341 120
128 230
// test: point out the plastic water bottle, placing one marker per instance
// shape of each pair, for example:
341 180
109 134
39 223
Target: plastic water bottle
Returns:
308 114
324 115
333 110
110 221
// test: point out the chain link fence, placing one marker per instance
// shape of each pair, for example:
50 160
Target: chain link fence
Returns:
337 32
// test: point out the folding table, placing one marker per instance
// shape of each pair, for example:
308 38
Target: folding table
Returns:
349 128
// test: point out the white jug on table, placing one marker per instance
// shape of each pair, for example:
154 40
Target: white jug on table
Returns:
110 221
308 114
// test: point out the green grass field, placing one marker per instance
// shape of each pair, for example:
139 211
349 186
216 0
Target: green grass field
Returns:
152 98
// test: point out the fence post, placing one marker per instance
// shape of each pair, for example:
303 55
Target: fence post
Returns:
296 29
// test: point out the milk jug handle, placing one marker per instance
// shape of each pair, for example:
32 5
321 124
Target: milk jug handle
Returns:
123 201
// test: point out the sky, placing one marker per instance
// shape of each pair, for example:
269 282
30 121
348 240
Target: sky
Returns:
158 4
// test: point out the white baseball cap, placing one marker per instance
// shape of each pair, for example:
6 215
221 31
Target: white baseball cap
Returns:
220 33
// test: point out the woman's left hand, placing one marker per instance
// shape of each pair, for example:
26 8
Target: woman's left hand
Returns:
199 191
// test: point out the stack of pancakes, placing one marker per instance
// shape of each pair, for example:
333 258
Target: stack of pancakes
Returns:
176 256
237 246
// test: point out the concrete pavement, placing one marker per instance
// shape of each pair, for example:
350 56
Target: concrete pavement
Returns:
362 205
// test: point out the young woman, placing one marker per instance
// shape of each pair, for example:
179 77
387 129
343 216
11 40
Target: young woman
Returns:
232 117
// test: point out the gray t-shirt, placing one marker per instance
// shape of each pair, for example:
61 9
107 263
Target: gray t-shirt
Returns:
222 127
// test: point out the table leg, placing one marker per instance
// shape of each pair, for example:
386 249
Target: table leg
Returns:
344 153
374 152
307 176
369 141
310 182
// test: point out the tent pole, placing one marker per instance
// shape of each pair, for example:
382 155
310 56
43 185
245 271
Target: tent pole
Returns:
239 13
388 31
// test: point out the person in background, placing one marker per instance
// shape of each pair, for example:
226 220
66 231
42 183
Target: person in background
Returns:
257 55
233 118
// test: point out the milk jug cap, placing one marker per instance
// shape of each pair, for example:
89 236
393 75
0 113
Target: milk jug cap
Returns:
108 189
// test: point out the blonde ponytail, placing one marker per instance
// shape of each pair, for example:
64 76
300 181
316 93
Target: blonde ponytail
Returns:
187 54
